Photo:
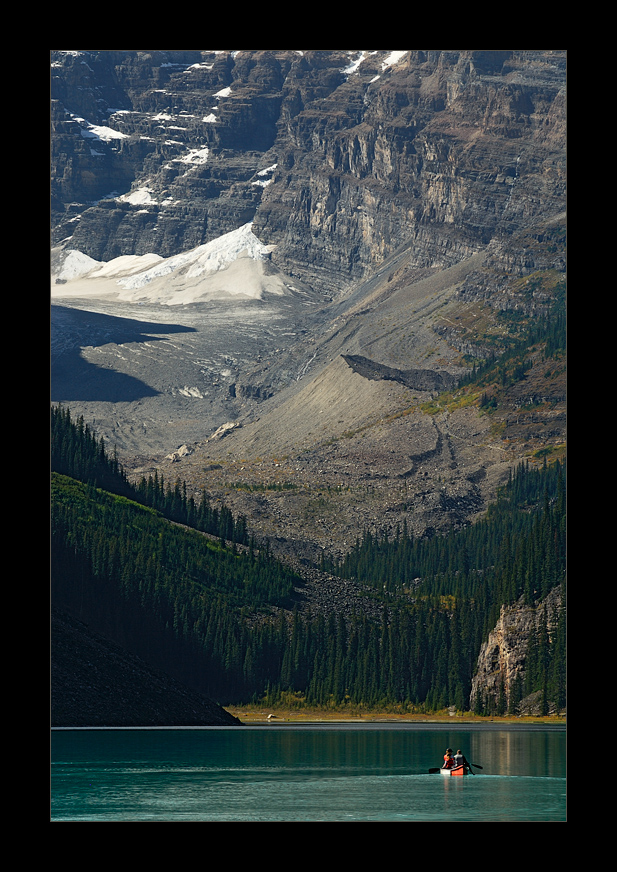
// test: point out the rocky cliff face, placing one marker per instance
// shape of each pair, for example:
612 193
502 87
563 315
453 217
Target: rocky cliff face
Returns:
503 658
337 157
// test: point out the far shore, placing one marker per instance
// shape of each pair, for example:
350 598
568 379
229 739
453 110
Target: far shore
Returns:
249 716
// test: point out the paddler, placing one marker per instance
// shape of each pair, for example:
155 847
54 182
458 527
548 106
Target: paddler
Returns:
448 759
461 760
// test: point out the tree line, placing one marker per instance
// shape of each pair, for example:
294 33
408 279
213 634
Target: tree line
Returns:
202 608
517 550
517 553
77 452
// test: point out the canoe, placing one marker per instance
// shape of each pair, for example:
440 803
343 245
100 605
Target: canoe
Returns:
456 770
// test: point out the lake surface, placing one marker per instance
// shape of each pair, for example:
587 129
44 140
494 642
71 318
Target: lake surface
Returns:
312 773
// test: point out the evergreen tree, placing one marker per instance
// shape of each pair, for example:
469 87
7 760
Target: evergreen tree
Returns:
200 609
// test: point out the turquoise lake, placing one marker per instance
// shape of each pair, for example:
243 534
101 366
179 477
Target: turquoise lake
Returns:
309 773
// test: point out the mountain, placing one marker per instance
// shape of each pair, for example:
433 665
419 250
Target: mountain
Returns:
339 157
324 285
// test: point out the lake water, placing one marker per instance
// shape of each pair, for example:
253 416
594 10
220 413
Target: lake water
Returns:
312 773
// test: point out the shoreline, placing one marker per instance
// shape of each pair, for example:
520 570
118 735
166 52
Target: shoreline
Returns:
272 718
250 717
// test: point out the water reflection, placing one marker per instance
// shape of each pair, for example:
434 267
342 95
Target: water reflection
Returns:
519 753
287 774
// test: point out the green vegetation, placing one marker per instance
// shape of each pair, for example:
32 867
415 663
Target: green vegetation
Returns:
171 595
517 550
459 582
259 487
76 452
517 344
511 360
200 607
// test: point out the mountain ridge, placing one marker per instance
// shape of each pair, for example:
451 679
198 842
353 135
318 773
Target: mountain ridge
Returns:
397 220
418 138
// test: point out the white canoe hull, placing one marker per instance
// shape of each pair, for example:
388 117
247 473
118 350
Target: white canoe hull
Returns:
456 771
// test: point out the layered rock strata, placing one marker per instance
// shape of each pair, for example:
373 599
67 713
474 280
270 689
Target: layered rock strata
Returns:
338 157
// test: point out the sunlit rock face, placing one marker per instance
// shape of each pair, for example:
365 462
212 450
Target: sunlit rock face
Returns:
337 157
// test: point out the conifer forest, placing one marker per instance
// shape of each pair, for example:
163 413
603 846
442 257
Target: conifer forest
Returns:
183 584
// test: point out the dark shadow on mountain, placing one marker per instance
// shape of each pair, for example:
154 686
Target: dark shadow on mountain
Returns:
73 378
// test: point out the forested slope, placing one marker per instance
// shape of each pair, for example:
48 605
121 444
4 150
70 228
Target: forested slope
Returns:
201 608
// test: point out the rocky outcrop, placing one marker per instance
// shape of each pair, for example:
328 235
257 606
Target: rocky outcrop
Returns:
337 157
154 148
502 659
224 430
252 392
183 451
417 379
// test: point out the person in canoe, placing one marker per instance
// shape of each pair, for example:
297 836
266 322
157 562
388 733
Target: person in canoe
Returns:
461 760
448 759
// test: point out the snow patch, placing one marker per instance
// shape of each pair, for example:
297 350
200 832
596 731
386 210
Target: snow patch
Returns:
196 156
230 267
208 258
353 66
393 58
263 182
97 131
140 197
126 264
75 264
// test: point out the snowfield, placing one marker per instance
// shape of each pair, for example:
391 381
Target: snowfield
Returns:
232 266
